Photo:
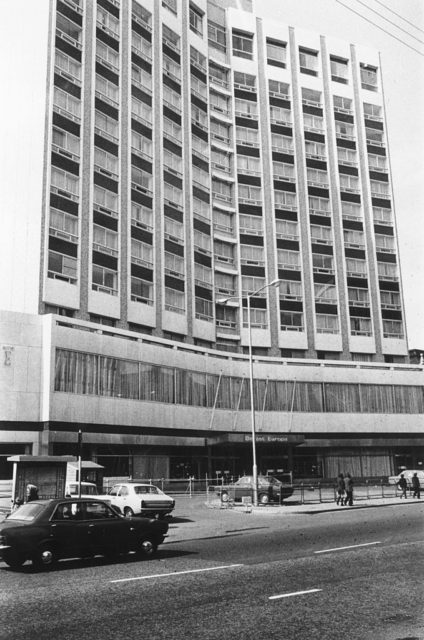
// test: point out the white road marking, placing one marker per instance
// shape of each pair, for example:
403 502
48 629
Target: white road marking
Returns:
353 546
177 573
295 593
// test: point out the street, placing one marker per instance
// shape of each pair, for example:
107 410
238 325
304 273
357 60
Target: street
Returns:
352 574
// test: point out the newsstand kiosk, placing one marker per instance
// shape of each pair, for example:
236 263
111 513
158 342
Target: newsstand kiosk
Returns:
47 473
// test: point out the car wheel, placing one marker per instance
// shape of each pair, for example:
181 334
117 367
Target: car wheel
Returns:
224 496
128 512
13 559
45 557
263 498
147 548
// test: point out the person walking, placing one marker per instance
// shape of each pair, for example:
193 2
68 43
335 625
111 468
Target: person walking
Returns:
349 490
416 486
403 485
341 487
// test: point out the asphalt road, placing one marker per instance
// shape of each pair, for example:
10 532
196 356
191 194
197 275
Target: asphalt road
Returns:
351 575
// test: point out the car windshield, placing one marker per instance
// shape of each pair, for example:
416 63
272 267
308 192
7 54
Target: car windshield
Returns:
27 512
144 488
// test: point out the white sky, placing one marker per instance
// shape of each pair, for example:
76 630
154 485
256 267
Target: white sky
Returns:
403 76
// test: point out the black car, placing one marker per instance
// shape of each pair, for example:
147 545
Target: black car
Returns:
46 530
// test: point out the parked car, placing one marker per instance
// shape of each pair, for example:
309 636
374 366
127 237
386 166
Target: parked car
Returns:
407 474
136 498
269 489
45 531
88 490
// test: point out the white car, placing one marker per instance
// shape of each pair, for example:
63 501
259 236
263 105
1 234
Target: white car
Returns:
407 474
136 498
88 490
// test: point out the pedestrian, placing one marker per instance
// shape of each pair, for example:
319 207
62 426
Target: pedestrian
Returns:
349 490
341 487
403 485
416 486
32 492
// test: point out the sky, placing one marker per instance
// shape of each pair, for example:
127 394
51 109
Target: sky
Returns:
395 28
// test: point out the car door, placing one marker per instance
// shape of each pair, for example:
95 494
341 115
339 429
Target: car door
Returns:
69 530
107 531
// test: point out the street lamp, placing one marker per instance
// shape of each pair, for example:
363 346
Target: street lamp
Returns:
274 283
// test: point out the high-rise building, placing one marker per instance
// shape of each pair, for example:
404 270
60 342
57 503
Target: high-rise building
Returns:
194 155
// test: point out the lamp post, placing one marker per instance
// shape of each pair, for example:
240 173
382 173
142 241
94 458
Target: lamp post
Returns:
274 283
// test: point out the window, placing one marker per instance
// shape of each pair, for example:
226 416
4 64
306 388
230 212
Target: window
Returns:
196 20
287 259
221 160
224 284
200 177
283 171
141 180
244 81
223 221
347 156
280 115
369 77
315 150
372 111
200 147
380 189
358 297
203 309
321 234
390 299
203 275
374 137
319 206
141 144
393 329
327 323
285 200
174 265
107 21
141 111
174 300
170 38
290 290
201 209
218 75
248 165
220 103
141 78
355 267
220 131
141 253
246 108
202 241
105 240
104 280
258 318
360 326
68 65
217 36
251 225
251 284
173 195
322 263
171 5
345 130
281 143
141 291
65 103
105 198
249 195
106 126
286 229
377 162
325 293
351 211
342 104
63 225
247 136
349 183
107 90
198 87
308 61
141 216
339 69
313 123
291 321
140 13
223 251
242 44
105 162
311 98
199 117
64 141
317 177
278 89
141 46
354 238
172 162
68 29
222 191
250 254
61 267
276 53
385 244
172 130
64 182
383 215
